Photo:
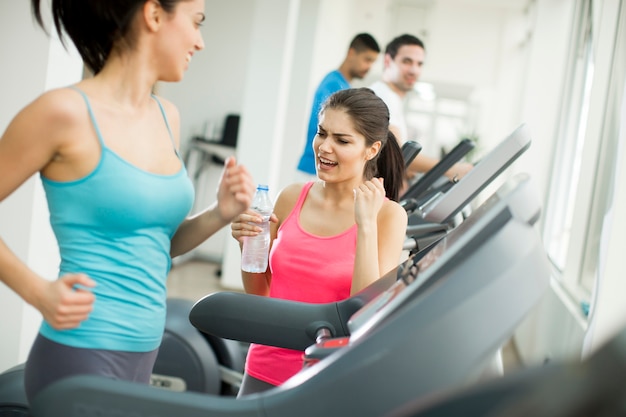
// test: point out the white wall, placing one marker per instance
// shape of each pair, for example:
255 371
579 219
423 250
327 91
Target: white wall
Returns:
214 84
296 116
16 212
38 64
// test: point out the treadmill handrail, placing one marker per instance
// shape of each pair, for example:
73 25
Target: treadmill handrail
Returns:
277 322
410 149
429 178
449 204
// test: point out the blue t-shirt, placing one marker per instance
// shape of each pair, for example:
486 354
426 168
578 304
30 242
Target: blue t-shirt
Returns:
333 82
116 225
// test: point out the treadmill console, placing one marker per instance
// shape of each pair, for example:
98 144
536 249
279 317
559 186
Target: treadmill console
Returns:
424 269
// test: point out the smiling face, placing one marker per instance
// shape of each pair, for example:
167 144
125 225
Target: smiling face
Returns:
180 38
341 151
405 68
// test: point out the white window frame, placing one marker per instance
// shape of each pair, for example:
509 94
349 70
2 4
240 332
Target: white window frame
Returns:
585 151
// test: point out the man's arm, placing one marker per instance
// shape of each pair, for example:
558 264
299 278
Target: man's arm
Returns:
423 163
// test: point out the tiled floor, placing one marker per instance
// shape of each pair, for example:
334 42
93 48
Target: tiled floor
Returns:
195 279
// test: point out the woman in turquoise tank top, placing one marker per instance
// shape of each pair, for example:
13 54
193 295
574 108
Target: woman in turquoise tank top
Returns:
333 237
106 150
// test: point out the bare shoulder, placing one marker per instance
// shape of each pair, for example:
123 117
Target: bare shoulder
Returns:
392 212
286 199
170 109
57 107
172 115
48 119
38 134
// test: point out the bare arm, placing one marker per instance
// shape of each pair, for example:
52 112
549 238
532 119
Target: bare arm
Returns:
423 163
380 234
234 195
243 225
39 138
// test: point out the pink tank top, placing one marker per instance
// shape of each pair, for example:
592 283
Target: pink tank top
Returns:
307 268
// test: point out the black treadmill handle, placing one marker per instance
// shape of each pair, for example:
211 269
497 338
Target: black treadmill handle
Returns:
409 205
264 320
276 322
424 183
410 149
415 205
424 229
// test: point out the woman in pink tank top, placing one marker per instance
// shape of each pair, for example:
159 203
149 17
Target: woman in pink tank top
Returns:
333 237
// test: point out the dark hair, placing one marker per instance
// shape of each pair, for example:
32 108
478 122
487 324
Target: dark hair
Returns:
370 116
364 42
95 26
399 41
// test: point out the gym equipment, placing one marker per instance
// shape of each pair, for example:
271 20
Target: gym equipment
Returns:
410 149
12 396
442 207
430 179
591 388
189 360
446 313
432 209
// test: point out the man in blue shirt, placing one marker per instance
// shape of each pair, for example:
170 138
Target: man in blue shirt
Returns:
362 53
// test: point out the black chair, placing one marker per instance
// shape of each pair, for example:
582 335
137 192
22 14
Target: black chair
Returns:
230 131
229 137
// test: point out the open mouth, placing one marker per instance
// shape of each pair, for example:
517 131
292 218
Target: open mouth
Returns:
327 163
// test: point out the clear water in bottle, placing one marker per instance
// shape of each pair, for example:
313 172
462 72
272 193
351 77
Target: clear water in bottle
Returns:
255 251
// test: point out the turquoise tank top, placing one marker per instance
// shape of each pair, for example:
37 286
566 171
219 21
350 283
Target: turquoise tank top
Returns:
116 225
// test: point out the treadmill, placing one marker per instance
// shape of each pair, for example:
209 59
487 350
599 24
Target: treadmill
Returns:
446 313
593 387
432 209
433 178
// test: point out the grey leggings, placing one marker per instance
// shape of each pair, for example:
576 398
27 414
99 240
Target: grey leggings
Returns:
49 362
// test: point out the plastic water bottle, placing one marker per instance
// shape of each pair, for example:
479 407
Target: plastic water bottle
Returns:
256 248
